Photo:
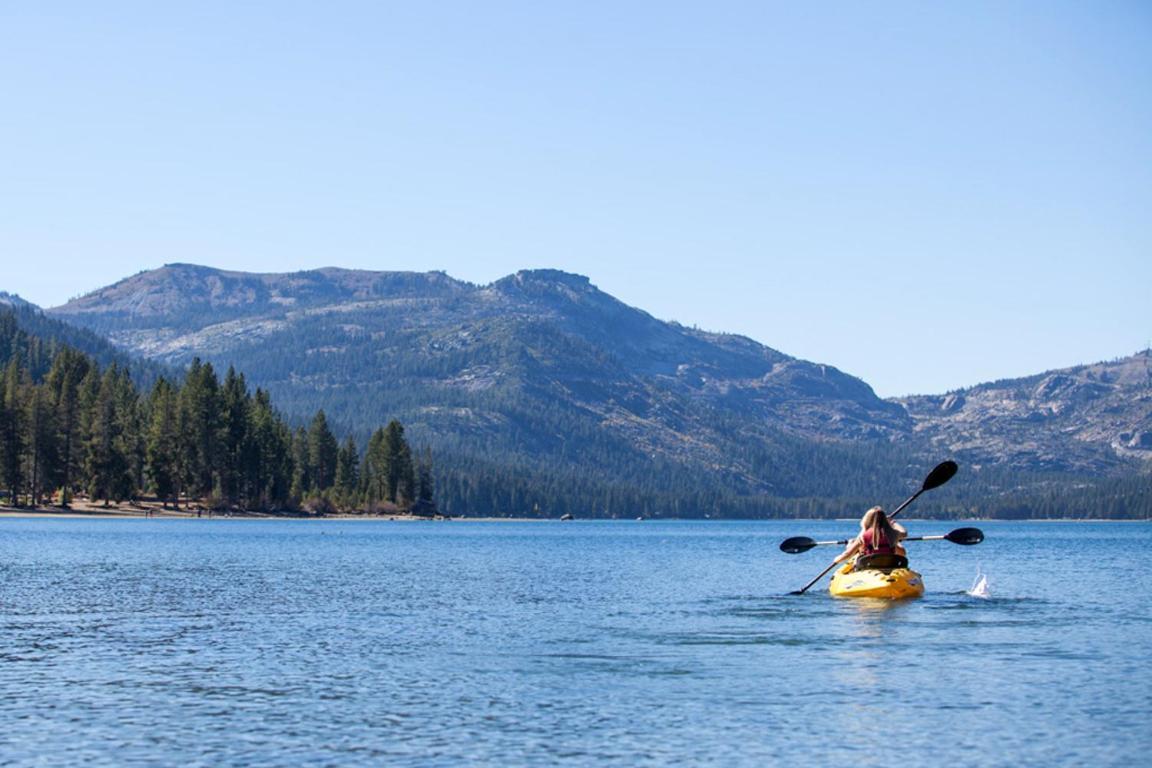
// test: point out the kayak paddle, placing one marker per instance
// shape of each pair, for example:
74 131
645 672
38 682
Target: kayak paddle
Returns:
966 536
939 475
798 544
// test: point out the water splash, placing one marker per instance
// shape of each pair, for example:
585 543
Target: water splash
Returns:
980 586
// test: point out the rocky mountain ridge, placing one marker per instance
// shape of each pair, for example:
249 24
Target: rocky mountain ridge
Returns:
1084 418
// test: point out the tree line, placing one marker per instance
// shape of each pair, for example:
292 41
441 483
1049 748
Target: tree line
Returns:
81 429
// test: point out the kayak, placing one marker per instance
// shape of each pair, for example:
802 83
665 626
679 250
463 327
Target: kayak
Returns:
886 583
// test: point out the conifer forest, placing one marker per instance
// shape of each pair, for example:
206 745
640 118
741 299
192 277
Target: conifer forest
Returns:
72 428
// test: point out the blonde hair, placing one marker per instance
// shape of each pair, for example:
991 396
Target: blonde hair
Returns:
876 521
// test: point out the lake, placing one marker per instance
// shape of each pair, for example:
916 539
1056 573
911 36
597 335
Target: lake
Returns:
345 643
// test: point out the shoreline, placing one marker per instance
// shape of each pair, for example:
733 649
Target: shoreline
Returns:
84 511
154 511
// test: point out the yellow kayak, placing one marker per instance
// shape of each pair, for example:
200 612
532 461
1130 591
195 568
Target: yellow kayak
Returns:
894 582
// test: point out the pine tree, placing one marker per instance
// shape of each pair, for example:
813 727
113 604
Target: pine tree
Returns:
401 477
108 465
43 449
374 474
163 442
12 436
200 428
132 444
425 488
235 445
301 465
323 452
272 469
69 369
347 472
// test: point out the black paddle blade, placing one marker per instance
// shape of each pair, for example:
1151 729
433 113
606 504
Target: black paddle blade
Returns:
965 536
940 475
797 544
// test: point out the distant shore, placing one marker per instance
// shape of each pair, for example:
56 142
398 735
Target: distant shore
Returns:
150 510
155 511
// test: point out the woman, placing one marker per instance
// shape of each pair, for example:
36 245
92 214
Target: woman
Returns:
878 536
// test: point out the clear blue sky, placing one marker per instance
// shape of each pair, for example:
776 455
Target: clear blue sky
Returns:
925 195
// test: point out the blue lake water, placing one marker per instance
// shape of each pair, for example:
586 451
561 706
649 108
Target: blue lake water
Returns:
253 643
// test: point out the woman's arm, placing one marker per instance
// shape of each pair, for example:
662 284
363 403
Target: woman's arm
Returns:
901 533
850 550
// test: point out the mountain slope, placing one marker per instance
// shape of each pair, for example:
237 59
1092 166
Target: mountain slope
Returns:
1082 419
43 335
181 311
539 371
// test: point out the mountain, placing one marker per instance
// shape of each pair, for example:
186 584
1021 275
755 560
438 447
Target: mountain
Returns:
1087 419
541 390
539 371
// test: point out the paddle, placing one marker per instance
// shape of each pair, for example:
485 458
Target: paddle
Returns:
965 536
939 475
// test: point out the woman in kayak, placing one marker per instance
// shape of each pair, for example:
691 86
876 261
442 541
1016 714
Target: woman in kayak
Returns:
878 536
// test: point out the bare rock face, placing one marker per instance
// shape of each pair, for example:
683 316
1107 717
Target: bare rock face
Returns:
952 403
1139 441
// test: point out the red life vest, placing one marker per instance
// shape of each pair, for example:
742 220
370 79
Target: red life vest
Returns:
882 548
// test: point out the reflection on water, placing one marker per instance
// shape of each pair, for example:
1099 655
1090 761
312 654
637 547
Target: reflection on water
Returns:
281 643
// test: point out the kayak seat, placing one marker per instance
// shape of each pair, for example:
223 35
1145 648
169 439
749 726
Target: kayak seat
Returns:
881 562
